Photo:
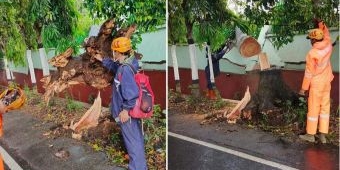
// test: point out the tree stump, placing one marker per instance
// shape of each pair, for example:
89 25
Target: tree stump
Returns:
271 94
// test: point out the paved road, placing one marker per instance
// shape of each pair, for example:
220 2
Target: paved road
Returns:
23 139
11 160
223 146
198 157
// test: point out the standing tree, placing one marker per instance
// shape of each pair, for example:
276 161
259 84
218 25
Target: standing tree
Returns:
31 24
218 31
203 21
176 34
187 12
13 16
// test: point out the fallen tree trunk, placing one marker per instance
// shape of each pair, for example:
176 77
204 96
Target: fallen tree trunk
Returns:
236 112
90 118
85 68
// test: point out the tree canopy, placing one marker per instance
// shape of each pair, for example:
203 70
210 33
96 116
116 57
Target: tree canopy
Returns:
213 20
176 22
202 21
12 39
289 18
147 14
31 24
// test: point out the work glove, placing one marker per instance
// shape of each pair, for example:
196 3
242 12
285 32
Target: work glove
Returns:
302 92
316 22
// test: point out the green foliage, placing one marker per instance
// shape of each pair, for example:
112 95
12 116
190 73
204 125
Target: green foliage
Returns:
209 19
114 138
83 26
13 85
176 22
295 112
91 98
116 155
215 34
289 18
50 32
96 145
12 42
58 25
156 124
155 134
219 104
72 105
15 49
192 100
203 21
27 91
148 15
264 119
26 24
65 43
174 97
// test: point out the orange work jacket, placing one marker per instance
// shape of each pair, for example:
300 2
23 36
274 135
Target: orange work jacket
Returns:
318 66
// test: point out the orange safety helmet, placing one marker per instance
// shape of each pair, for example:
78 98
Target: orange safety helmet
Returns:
316 34
121 44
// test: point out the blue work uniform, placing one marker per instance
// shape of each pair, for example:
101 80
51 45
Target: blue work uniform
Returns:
124 95
215 58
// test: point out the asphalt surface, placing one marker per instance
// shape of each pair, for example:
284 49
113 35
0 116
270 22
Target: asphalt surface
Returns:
198 157
24 140
188 155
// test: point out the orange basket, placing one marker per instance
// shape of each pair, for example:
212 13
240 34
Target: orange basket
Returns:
18 102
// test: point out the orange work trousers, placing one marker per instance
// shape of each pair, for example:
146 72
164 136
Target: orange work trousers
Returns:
1 133
1 163
318 108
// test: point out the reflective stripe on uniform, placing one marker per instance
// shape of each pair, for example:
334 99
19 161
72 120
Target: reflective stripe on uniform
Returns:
314 119
323 64
325 51
308 75
324 116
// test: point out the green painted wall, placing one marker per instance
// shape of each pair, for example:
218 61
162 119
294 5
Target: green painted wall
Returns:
19 68
183 58
233 62
153 48
36 62
298 49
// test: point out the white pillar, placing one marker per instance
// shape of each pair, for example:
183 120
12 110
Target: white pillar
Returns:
262 36
174 62
9 74
30 66
44 63
211 70
193 62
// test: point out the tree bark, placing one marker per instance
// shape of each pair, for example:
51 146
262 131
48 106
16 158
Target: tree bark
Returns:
271 95
85 68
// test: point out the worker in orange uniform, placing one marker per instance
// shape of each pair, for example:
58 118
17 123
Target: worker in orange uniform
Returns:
317 79
2 111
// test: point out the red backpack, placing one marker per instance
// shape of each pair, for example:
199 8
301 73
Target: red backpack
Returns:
145 102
